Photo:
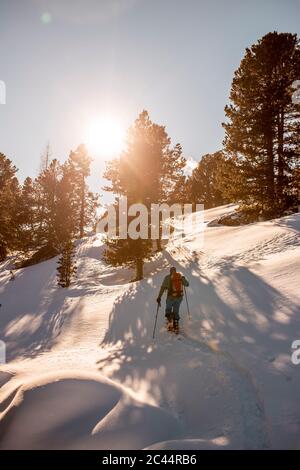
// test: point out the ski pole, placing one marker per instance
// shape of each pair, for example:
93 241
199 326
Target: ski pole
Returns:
155 320
187 304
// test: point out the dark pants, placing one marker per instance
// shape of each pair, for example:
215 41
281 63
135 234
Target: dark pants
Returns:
172 308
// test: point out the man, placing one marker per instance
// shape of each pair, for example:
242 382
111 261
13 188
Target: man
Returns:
174 284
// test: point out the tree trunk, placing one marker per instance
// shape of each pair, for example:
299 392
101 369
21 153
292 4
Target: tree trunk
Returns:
139 269
158 244
270 176
3 252
158 241
280 176
82 209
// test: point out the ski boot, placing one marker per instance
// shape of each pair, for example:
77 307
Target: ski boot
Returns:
176 326
169 324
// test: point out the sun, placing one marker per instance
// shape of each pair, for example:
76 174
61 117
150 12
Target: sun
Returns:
105 137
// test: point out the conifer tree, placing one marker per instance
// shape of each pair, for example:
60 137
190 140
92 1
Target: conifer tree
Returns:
66 265
87 202
128 252
262 131
65 223
45 158
148 171
162 165
47 195
204 185
9 190
27 215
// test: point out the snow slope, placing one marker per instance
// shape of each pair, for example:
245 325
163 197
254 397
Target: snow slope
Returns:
84 372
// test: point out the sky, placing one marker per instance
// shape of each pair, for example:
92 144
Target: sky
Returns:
65 63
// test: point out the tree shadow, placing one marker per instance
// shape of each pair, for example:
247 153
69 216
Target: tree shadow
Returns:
235 312
31 319
292 222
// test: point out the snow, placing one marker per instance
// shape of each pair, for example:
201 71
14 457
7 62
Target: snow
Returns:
84 372
64 410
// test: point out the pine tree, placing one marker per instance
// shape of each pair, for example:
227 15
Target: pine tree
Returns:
47 196
262 131
45 158
41 215
66 209
204 185
9 191
228 179
87 202
128 252
27 215
149 171
50 209
66 266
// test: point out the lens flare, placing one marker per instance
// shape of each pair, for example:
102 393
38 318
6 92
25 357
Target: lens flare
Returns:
105 137
46 17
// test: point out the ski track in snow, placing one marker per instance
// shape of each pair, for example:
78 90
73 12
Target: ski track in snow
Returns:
252 407
204 380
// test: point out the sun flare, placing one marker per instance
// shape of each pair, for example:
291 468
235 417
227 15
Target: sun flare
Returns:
105 137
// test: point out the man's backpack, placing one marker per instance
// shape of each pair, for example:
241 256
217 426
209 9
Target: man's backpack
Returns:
176 285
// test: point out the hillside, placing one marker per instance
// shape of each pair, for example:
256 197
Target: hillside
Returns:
84 372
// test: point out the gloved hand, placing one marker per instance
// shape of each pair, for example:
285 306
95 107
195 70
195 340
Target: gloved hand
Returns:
158 300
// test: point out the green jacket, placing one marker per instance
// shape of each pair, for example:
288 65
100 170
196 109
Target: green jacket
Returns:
166 285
